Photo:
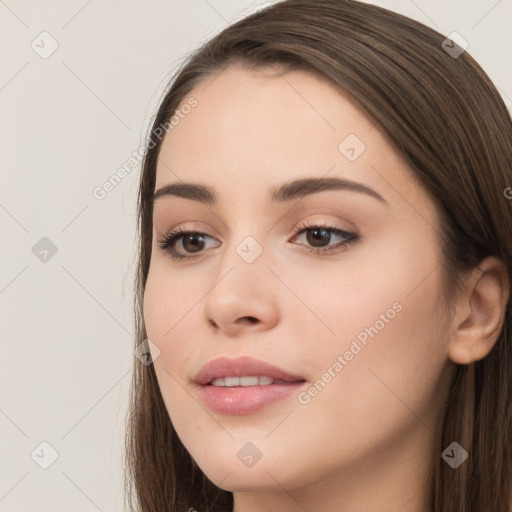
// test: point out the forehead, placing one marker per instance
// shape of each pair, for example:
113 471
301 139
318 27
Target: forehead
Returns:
256 129
243 113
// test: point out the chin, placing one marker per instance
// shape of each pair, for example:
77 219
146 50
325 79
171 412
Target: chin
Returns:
232 474
243 479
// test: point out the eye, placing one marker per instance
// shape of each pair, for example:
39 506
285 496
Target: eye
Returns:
194 242
320 237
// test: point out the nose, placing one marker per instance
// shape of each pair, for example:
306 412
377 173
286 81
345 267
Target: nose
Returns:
242 299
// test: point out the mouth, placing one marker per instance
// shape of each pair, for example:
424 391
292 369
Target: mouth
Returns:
246 381
244 385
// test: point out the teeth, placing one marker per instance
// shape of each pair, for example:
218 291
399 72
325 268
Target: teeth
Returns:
262 380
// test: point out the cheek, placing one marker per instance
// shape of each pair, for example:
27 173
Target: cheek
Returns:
386 348
163 305
158 304
167 298
171 321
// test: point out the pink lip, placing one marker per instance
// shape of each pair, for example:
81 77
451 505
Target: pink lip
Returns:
240 367
246 399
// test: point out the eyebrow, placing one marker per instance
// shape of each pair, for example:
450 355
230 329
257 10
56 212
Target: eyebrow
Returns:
286 192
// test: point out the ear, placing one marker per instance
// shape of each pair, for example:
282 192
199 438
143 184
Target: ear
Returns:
480 312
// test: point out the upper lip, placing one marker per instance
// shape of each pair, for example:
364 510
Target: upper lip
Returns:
240 367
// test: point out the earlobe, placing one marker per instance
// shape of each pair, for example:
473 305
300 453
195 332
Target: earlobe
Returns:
480 312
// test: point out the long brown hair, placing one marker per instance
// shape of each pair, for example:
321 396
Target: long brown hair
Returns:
453 129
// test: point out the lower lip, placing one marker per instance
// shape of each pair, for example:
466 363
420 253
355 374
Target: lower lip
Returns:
245 399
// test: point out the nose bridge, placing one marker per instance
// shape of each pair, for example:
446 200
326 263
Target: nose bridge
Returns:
247 241
243 266
243 287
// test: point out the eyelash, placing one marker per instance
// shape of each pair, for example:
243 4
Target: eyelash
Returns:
168 241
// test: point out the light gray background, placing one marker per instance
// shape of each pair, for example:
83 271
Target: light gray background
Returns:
68 122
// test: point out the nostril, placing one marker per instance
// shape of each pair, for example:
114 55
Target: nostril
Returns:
250 319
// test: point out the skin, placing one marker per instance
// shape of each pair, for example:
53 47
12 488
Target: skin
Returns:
364 443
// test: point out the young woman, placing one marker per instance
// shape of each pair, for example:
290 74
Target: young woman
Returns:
324 273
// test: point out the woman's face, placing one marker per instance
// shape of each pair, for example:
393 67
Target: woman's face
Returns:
361 326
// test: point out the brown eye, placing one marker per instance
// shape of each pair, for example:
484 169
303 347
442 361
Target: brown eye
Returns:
317 237
190 244
193 243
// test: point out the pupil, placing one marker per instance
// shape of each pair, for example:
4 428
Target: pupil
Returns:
192 243
317 237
